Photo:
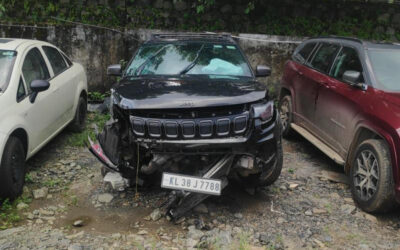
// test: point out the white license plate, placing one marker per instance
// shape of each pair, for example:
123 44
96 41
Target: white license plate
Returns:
191 183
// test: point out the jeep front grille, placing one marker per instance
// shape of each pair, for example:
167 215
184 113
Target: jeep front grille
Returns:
190 128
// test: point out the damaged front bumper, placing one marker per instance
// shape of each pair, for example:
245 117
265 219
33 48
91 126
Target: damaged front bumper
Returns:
251 153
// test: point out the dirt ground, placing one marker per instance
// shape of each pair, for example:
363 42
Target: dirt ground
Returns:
310 206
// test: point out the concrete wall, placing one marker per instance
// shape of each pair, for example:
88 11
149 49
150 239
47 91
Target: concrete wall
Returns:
97 48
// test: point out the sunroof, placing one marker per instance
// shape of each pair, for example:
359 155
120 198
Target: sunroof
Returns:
2 40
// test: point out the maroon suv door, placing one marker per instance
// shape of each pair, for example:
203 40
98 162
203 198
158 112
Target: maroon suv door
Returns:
337 104
305 90
316 75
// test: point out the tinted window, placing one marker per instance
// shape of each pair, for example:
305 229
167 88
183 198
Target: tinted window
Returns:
324 57
21 90
56 60
34 67
347 60
304 52
189 58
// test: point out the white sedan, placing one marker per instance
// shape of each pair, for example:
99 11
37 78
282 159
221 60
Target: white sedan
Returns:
41 92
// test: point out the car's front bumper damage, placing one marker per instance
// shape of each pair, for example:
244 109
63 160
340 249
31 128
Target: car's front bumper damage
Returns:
254 152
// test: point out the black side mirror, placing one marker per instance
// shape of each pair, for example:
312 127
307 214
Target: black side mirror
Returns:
36 87
114 70
352 77
263 71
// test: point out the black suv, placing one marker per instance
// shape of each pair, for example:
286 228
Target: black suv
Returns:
188 106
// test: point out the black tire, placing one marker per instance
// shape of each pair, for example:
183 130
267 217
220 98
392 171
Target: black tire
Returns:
12 169
285 109
79 122
372 183
269 176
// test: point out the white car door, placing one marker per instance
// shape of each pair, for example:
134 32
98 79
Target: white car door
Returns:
41 115
65 81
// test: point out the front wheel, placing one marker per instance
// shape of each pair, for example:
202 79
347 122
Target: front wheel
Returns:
372 183
285 110
79 122
12 169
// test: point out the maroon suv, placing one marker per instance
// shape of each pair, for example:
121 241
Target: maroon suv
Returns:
343 95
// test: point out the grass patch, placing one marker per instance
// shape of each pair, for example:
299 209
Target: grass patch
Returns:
80 139
9 215
244 241
52 183
97 96
291 170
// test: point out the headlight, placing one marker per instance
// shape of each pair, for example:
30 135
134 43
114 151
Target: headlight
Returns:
263 111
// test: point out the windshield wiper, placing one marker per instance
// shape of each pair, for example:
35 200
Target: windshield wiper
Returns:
141 67
190 66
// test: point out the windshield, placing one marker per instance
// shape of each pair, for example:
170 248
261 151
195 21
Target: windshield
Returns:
190 59
386 67
7 58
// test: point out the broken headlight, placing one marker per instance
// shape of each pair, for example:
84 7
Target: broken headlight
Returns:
263 111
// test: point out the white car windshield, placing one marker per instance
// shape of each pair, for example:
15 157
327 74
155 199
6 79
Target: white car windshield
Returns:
7 59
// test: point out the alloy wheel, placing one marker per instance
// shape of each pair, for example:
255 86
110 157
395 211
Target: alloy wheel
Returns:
366 175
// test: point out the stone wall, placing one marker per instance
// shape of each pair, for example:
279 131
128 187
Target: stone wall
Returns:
97 48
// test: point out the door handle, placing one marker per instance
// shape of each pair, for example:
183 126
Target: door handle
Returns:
299 72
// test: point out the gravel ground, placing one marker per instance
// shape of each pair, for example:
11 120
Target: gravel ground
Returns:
310 206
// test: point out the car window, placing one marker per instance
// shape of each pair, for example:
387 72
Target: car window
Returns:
21 93
304 52
67 59
347 60
56 59
324 57
34 67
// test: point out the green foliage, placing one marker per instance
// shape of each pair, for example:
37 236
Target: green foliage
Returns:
202 15
9 215
80 139
28 178
97 96
203 5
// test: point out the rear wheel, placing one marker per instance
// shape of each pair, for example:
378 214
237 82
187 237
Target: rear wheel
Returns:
285 109
79 122
372 183
12 169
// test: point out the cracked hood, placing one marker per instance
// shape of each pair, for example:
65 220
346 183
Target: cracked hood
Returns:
186 92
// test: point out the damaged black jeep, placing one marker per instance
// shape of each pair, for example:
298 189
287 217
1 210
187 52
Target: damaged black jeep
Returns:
188 109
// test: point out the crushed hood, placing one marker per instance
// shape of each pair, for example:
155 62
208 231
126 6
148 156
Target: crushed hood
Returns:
186 92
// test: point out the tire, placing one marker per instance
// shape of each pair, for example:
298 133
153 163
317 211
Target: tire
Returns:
372 186
268 177
285 109
79 122
12 169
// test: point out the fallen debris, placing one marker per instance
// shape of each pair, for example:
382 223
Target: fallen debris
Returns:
105 198
40 193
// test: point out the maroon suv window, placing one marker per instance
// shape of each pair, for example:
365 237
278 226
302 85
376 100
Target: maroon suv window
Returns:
346 60
324 57
304 52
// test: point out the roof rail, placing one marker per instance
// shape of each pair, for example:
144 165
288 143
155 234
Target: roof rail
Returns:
188 36
353 39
